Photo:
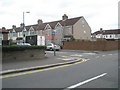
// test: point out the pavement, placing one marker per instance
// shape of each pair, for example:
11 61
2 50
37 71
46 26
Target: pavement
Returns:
27 65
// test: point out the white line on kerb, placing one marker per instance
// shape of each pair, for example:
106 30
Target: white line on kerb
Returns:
86 81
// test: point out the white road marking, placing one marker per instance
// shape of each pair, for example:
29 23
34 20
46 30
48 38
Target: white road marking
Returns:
86 81
110 54
90 53
59 58
103 55
68 59
78 55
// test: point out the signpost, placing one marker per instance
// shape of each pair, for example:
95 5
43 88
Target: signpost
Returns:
53 35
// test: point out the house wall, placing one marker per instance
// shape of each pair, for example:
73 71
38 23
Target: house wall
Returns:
5 36
108 36
68 30
81 30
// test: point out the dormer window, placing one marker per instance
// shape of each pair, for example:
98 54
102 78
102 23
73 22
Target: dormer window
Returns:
58 25
32 32
14 33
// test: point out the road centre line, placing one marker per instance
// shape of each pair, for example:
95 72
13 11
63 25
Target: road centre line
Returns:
84 82
35 71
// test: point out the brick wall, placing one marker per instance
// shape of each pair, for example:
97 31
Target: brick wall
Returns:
92 45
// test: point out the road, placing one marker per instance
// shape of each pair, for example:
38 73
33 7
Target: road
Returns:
98 70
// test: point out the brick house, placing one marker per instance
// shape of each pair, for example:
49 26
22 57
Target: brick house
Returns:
113 34
64 29
3 35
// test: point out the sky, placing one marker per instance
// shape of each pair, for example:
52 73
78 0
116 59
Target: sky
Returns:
98 13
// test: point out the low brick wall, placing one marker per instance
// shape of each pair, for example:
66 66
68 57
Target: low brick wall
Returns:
91 45
33 54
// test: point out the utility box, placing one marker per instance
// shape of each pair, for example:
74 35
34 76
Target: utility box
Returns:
35 40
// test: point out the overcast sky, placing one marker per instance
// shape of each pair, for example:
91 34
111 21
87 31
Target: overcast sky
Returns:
98 13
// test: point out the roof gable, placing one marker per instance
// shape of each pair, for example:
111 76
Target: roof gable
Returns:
58 25
48 27
31 29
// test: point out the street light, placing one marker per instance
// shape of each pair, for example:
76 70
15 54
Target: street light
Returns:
24 17
24 24
63 33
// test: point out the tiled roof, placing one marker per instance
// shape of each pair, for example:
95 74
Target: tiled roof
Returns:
3 31
68 22
112 31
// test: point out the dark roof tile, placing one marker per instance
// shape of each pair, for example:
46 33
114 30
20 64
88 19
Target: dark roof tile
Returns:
112 31
68 22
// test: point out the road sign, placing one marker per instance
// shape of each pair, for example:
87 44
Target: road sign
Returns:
53 33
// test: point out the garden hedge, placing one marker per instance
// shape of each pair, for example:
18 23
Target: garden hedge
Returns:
22 48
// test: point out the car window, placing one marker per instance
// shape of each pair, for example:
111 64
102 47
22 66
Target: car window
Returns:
49 45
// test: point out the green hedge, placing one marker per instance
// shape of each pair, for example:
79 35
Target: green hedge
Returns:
21 48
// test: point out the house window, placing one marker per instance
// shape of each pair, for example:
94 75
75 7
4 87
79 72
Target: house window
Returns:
14 34
84 32
49 32
110 36
32 32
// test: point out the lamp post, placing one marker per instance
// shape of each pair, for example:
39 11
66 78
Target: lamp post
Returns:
24 26
63 33
24 17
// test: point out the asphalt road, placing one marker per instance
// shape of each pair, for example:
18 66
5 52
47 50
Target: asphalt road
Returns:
99 70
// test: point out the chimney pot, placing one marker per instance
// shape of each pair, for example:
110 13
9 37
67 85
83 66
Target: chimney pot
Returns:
14 26
3 28
64 17
22 25
40 21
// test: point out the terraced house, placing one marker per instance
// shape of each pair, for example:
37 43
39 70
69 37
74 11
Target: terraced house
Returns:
112 34
55 31
3 35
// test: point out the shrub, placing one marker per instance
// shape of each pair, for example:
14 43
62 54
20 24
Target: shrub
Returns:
21 48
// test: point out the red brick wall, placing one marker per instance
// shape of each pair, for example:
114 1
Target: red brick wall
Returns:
5 36
92 45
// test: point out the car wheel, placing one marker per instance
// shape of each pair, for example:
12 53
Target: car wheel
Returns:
51 49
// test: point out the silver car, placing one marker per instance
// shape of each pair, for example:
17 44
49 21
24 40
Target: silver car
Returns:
51 46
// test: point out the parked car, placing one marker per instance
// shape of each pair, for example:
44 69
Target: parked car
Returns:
23 44
51 46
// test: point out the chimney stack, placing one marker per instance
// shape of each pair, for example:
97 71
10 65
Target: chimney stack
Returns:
3 28
64 17
22 25
40 21
101 29
13 26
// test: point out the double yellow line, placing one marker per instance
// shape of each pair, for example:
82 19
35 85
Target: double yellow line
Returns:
35 71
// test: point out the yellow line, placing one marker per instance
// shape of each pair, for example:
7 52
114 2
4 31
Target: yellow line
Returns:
19 74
